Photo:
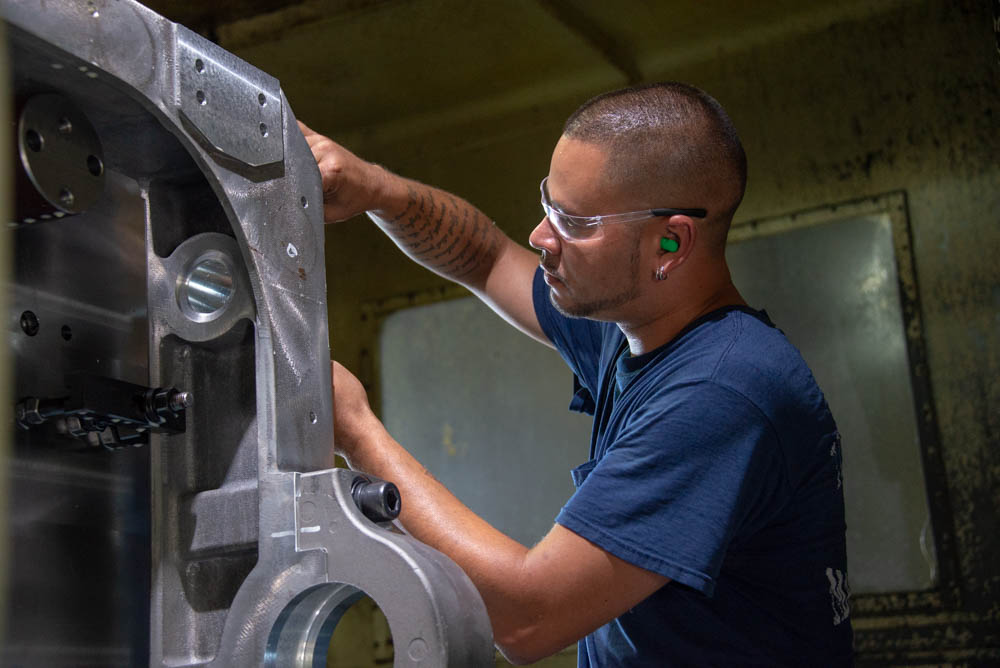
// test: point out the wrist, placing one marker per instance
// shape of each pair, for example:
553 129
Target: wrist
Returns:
380 192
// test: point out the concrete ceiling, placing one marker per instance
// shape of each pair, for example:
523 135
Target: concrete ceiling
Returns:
409 66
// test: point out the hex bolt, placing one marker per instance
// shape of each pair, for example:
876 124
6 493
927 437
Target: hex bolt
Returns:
180 401
377 500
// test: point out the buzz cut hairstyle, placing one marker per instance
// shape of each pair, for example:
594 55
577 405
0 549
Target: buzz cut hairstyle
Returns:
663 130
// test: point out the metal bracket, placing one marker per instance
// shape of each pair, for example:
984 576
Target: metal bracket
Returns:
436 615
235 107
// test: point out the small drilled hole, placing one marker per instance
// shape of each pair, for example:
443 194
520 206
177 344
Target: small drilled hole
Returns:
200 96
312 417
263 129
94 165
34 140
199 65
262 99
305 202
67 333
29 323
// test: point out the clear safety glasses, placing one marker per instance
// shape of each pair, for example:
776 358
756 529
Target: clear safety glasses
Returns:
587 227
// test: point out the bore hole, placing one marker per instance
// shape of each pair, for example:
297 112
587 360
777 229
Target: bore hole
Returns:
66 198
94 165
67 333
199 65
200 96
263 129
305 202
262 99
321 627
207 289
312 417
29 323
65 126
34 140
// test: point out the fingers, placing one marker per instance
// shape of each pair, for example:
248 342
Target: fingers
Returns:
305 129
313 138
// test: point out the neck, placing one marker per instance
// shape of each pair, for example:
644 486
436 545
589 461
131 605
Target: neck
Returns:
649 334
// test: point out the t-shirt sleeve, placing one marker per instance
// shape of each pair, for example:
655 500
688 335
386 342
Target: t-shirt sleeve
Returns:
577 340
673 491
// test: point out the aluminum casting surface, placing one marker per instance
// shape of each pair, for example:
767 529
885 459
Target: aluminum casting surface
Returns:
205 165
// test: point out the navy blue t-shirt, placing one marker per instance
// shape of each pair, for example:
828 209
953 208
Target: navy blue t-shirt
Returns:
715 462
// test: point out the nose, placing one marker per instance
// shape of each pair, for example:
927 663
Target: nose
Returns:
544 238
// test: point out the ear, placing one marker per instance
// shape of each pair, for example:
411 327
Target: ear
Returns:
682 231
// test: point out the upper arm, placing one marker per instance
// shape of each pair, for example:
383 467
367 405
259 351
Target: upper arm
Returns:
508 289
571 587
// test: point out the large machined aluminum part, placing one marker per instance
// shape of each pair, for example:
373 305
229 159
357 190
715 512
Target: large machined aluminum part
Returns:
172 500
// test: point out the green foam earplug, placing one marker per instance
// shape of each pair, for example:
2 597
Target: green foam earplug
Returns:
669 245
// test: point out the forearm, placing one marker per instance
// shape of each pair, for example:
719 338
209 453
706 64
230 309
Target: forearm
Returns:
537 599
438 230
435 516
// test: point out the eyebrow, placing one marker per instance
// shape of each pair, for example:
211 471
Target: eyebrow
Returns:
559 207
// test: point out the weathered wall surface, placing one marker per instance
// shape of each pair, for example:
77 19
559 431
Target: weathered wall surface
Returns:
904 99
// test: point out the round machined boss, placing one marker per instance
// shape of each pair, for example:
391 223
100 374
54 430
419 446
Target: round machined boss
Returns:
60 153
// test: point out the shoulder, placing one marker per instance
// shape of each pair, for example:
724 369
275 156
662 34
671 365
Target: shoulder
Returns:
743 351
738 357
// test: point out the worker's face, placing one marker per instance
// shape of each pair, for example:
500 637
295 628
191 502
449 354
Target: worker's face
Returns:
593 278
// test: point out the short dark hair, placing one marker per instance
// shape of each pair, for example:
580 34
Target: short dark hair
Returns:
668 136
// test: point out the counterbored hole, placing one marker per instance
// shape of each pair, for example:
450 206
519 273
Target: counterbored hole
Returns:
34 140
94 165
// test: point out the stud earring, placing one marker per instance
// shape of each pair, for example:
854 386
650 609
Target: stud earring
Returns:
661 274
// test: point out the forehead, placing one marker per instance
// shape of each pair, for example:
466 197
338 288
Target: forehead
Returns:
578 181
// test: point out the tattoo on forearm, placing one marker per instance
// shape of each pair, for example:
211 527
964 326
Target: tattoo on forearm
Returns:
444 233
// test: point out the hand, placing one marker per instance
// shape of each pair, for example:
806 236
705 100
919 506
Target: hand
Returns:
350 184
354 423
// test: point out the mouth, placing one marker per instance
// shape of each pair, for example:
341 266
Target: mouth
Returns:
550 278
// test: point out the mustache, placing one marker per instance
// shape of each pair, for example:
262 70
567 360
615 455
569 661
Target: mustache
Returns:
546 261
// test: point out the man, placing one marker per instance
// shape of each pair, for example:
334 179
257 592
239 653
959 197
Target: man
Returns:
708 526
